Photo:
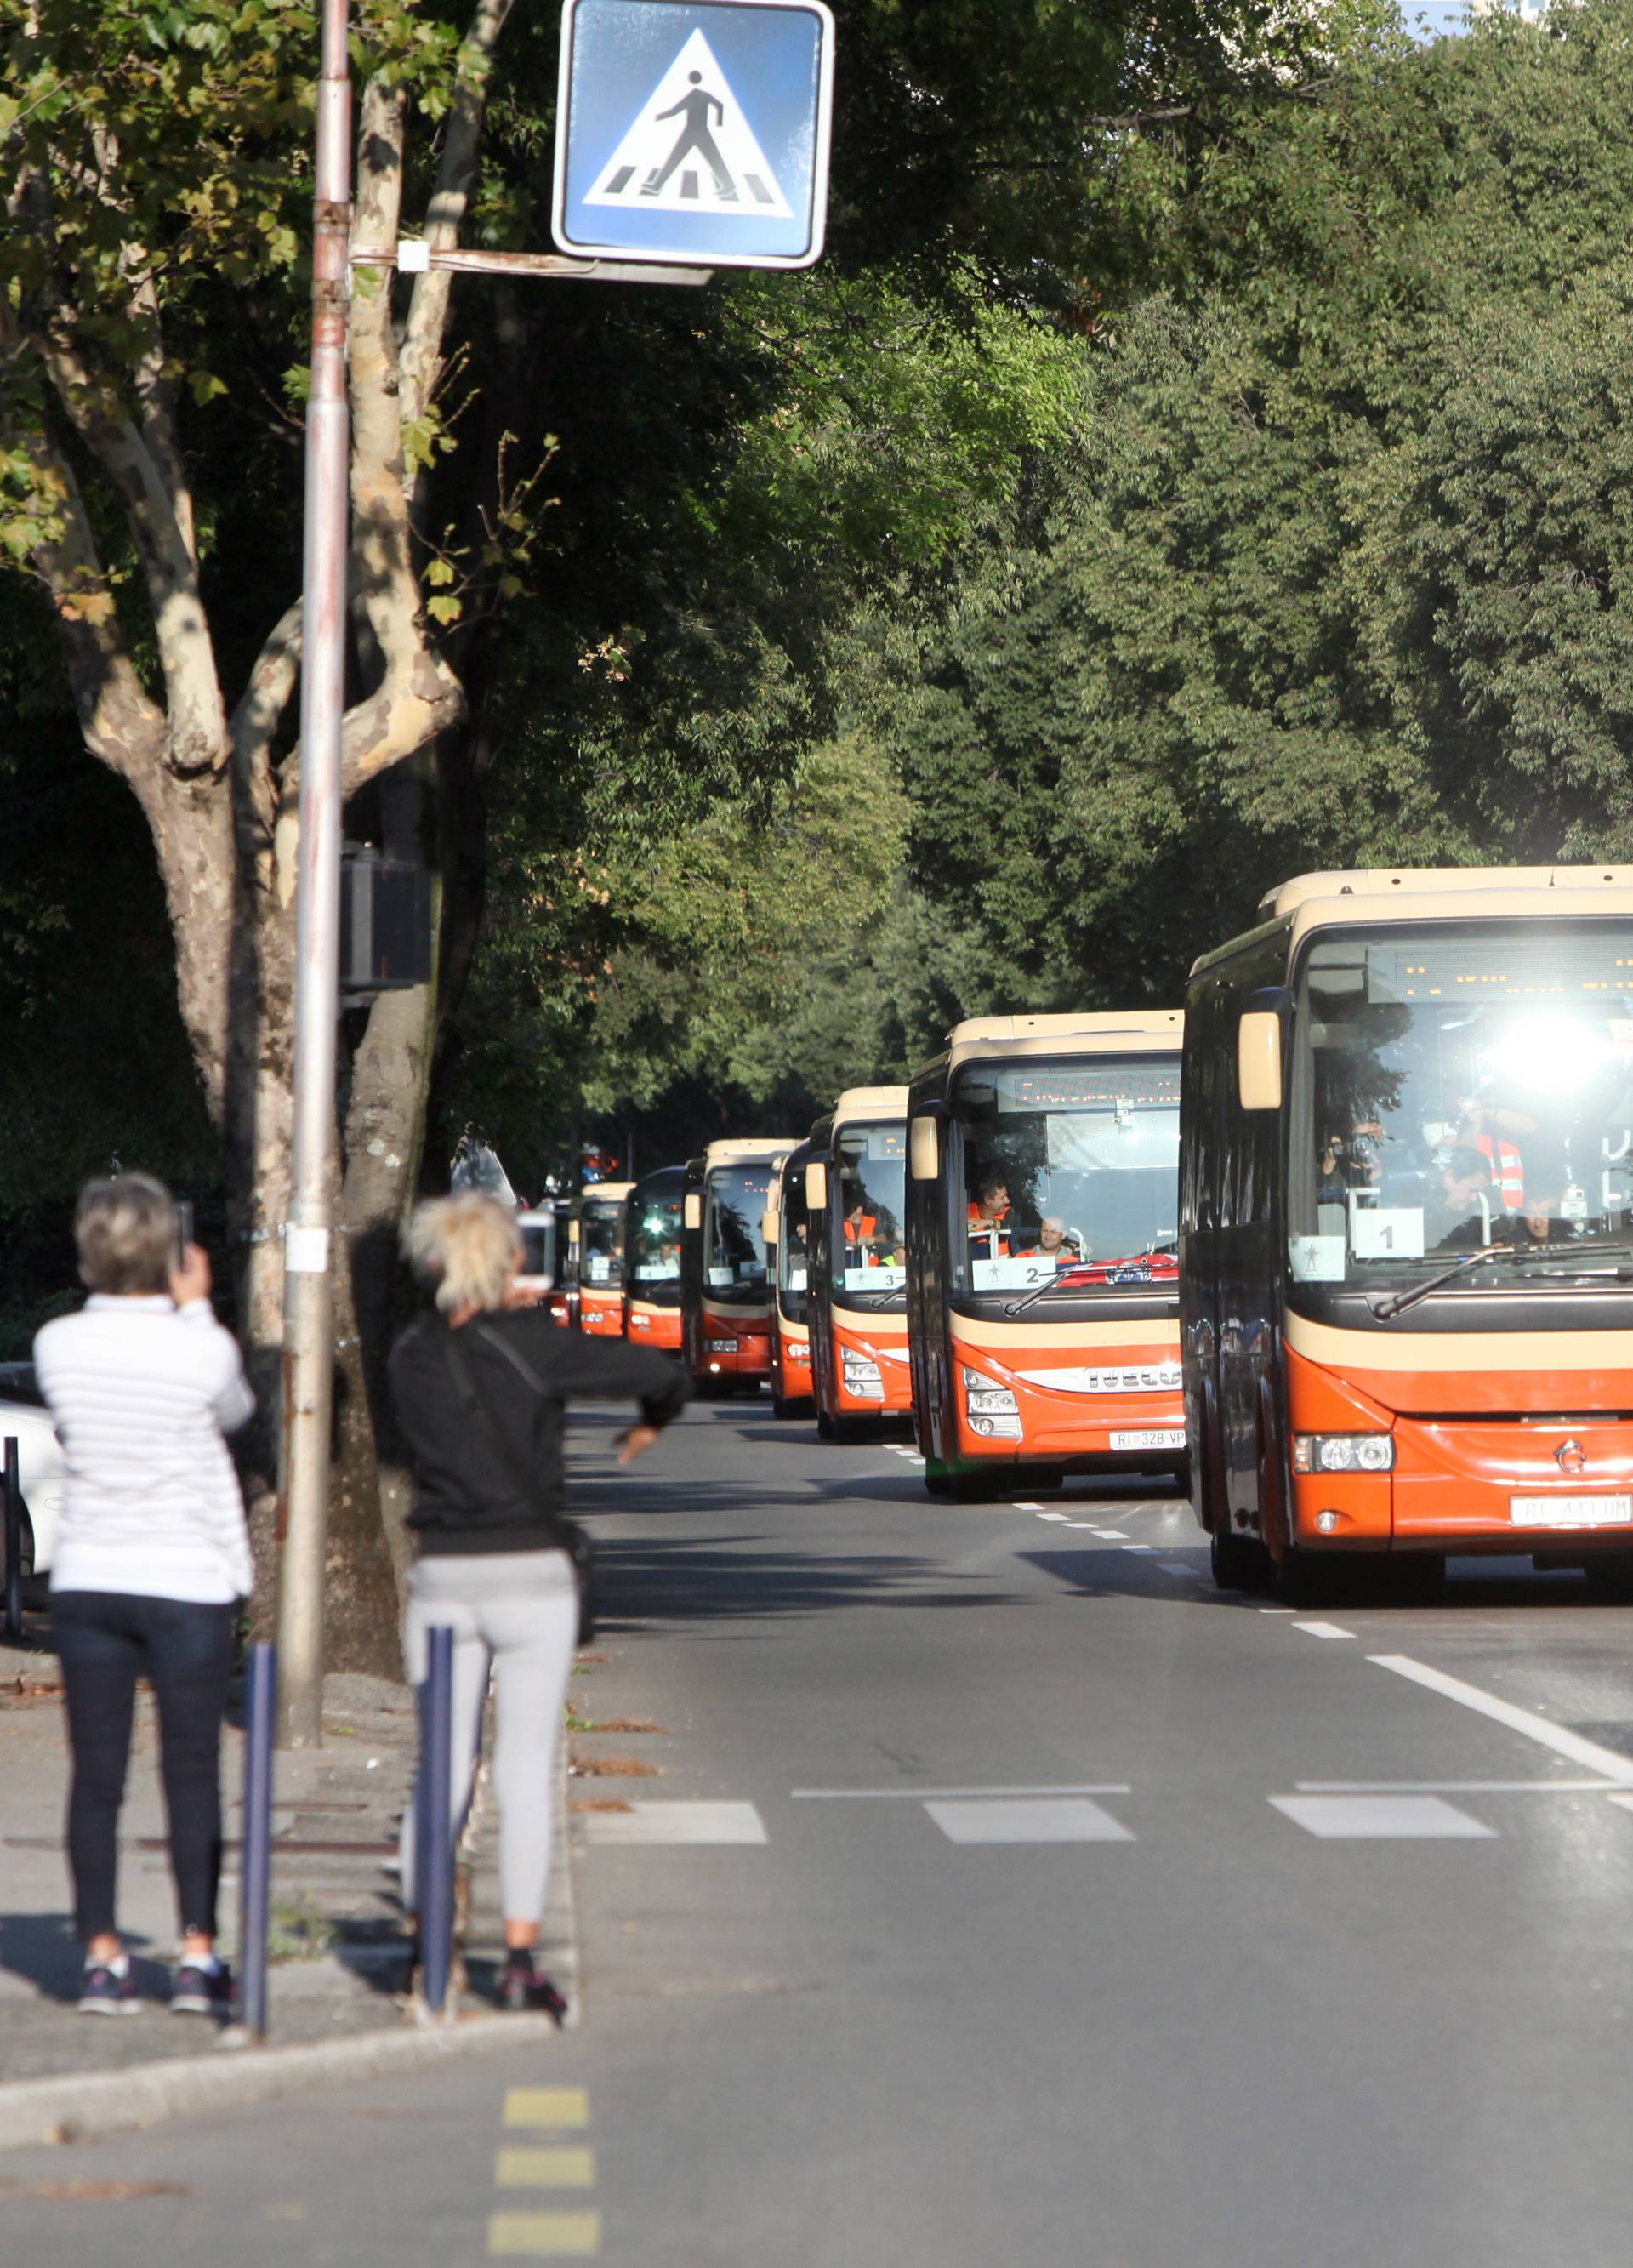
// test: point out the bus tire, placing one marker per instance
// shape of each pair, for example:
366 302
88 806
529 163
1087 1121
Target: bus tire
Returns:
937 1480
789 1405
825 1426
1238 1563
1304 1580
973 1487
1610 1577
850 1429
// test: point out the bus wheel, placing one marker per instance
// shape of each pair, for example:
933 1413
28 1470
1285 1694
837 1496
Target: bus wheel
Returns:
1303 1580
972 1488
790 1405
937 1480
825 1426
1610 1577
1238 1564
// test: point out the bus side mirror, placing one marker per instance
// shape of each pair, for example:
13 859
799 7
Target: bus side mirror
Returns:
923 1149
816 1187
1259 1060
572 1232
768 1226
692 1214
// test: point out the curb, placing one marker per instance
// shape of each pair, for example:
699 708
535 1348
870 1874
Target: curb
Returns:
89 2104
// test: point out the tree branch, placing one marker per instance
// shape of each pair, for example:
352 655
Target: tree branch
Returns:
428 311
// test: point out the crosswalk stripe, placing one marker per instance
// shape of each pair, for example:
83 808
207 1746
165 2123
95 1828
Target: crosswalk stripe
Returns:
1381 1818
548 2168
544 2235
546 2106
1071 1819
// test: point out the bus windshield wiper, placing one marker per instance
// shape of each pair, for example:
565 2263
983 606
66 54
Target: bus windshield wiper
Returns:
1402 1301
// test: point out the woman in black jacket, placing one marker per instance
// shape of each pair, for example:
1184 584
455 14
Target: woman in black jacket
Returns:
479 1388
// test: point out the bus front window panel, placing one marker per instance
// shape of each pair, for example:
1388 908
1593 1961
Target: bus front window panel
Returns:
792 1256
656 1256
1455 1096
734 1252
870 1255
1071 1175
603 1264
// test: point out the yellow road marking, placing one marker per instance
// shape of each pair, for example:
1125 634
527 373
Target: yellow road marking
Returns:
544 2170
546 2106
545 2235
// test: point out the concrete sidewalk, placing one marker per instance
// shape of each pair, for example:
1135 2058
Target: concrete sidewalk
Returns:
337 1934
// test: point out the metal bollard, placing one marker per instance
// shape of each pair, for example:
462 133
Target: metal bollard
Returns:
260 1705
13 1543
434 1839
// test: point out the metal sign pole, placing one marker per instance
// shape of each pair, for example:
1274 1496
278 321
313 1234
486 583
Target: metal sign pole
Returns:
308 1355
256 1848
13 1544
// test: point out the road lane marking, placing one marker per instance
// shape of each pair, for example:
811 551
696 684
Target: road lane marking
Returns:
544 2235
674 1821
921 1795
1020 1506
1114 1534
1278 1610
1323 1629
1616 1769
1381 1818
1051 1515
1457 1787
545 2106
1138 1547
1089 1524
1625 1802
1049 1822
546 2169
1174 1568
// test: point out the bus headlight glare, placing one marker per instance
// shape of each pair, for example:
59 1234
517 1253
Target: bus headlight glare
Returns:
1344 1453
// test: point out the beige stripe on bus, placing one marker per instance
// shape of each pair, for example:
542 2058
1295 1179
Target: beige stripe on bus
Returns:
1465 1350
970 1332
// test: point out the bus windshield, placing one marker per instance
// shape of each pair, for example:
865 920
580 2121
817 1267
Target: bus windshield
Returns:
734 1252
655 1257
600 1259
1459 1091
869 1254
1071 1174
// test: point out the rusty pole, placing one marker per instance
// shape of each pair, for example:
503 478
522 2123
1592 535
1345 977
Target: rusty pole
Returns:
308 1302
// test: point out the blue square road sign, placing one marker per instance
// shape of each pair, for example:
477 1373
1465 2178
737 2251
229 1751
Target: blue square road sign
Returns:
694 131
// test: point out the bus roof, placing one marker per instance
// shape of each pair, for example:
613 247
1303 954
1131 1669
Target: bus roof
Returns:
614 1192
1400 886
1086 1032
871 1102
759 1149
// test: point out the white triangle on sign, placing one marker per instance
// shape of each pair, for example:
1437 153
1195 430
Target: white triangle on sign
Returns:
691 149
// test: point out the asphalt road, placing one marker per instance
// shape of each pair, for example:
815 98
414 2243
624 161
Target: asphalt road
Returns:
1075 1914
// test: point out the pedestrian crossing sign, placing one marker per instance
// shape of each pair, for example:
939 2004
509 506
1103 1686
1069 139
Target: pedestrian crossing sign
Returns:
694 131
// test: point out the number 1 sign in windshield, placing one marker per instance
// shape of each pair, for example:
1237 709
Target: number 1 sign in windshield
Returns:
695 134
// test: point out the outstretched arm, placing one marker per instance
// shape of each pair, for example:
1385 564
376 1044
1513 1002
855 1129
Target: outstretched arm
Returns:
674 111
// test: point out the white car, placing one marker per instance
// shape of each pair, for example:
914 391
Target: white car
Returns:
25 1418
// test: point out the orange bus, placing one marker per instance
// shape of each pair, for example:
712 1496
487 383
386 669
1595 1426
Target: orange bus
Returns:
1042 1279
855 1204
787 1264
725 1293
599 1257
651 1243
562 1299
1407 1224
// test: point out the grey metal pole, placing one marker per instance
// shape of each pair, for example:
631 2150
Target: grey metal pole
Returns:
308 1355
256 1848
13 1486
433 1817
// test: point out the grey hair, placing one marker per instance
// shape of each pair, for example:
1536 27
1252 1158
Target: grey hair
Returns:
465 1246
126 1231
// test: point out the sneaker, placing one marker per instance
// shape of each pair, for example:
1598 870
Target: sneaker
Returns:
201 1992
522 1987
103 1992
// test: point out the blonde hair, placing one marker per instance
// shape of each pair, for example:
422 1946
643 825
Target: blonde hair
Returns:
126 1231
466 1246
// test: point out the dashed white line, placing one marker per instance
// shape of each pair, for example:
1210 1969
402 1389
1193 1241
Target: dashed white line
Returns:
1053 1515
1458 1787
1616 1769
920 1794
1028 1507
1323 1629
1382 1818
1136 1547
1174 1567
1113 1534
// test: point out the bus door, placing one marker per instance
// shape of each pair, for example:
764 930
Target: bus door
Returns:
651 1247
860 1363
791 1324
601 1263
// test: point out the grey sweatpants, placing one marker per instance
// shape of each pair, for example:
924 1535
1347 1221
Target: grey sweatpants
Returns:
517 1611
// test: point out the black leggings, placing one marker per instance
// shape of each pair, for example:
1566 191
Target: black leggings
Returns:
105 1640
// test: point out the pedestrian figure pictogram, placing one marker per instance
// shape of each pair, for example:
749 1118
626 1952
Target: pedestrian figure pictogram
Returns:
696 108
711 161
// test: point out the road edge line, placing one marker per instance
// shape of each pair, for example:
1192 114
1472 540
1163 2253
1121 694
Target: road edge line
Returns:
1616 1769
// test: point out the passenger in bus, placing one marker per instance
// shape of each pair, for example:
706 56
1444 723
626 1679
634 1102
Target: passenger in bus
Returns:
1480 1127
1539 1223
872 1244
1459 1220
1056 1242
988 1215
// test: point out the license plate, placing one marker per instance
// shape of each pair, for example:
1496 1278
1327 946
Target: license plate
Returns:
1150 1436
1570 1511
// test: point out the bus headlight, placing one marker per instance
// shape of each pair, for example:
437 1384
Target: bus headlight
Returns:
720 1346
1344 1453
863 1378
984 1398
